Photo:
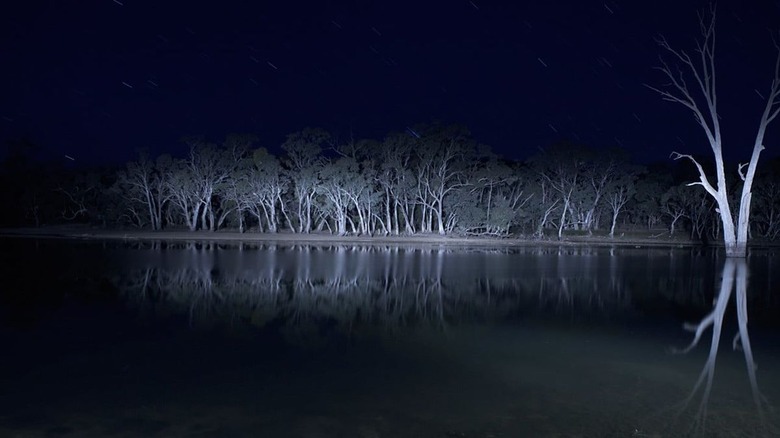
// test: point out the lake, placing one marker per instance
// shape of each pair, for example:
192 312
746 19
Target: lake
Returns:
155 339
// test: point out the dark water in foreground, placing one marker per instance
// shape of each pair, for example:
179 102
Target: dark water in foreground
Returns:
114 340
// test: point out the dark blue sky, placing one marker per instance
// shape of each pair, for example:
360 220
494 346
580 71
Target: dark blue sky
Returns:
99 79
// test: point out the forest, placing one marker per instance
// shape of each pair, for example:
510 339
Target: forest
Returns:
430 179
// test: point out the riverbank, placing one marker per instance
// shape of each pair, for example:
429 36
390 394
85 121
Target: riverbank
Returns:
82 232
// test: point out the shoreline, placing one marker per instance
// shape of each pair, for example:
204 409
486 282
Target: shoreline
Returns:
86 233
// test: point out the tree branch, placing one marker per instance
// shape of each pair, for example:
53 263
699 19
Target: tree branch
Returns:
704 76
703 181
739 170
773 101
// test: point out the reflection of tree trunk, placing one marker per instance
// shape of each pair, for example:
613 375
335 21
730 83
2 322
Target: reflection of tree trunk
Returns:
714 319
734 270
742 339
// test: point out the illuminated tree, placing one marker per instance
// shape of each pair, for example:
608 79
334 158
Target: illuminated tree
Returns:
304 161
442 158
142 185
703 102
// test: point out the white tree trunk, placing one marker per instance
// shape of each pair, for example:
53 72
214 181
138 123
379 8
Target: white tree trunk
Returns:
735 233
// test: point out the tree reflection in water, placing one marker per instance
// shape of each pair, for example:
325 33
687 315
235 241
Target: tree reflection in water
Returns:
540 341
310 296
735 274
391 287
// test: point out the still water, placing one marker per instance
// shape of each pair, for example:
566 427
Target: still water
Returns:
110 339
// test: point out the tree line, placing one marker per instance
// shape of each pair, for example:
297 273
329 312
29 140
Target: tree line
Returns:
431 179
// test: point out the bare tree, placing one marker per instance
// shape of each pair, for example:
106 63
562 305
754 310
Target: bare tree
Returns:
142 186
84 197
616 200
673 205
561 166
735 234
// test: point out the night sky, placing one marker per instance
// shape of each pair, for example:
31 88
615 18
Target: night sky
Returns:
99 79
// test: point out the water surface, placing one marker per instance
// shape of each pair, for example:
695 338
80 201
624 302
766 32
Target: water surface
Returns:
109 339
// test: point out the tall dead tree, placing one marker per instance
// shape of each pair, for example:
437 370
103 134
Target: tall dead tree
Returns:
702 100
